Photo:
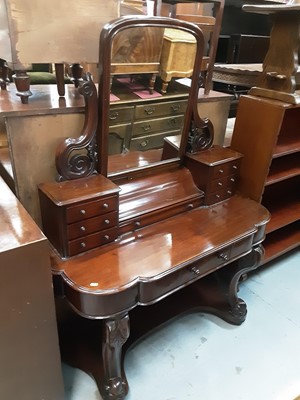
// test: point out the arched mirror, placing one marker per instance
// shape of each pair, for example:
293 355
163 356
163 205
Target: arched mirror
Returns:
148 91
147 101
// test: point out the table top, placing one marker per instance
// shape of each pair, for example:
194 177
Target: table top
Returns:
163 246
45 100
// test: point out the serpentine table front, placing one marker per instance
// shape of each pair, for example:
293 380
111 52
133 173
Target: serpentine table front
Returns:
191 260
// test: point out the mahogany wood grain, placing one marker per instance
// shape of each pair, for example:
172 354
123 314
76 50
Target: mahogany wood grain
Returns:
108 280
29 334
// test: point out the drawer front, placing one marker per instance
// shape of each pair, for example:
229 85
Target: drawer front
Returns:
91 241
225 169
118 115
228 182
92 225
150 142
155 125
152 290
91 209
218 196
159 109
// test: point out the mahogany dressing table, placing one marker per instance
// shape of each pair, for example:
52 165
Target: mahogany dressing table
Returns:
170 234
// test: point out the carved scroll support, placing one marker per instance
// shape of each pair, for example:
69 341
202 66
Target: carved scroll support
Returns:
76 158
116 333
228 280
201 134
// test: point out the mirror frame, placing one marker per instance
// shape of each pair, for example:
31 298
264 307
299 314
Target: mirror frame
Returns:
108 33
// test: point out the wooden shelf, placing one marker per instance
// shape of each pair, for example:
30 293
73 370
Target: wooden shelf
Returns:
267 133
284 168
281 241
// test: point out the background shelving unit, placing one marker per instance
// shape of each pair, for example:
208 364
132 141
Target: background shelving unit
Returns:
267 132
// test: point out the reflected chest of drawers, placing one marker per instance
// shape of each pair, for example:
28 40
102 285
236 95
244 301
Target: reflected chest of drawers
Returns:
143 125
79 215
215 171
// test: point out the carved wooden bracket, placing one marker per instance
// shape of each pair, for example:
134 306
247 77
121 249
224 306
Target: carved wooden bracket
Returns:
201 134
77 158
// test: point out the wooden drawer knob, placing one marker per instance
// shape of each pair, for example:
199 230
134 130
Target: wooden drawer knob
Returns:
82 212
105 205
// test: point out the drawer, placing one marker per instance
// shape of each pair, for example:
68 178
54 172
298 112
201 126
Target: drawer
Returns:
225 169
91 209
91 241
91 225
152 290
150 142
159 109
158 124
228 182
218 196
120 114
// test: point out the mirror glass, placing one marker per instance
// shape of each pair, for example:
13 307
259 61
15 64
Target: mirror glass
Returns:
150 73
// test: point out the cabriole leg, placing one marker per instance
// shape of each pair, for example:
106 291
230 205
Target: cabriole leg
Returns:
116 333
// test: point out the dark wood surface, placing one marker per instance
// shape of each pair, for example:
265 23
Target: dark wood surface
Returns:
267 133
30 357
155 251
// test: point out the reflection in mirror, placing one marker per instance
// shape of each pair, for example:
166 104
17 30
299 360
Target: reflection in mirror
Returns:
148 91
147 115
147 103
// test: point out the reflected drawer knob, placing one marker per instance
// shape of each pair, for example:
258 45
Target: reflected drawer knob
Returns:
229 192
107 221
144 143
175 108
220 184
113 115
83 245
234 167
106 237
149 110
221 171
195 270
105 205
232 180
82 212
82 228
223 256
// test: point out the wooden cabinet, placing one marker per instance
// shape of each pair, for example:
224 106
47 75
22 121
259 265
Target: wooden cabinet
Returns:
144 124
267 132
78 216
215 171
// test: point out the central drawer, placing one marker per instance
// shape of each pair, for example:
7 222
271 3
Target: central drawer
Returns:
159 109
152 290
155 141
159 124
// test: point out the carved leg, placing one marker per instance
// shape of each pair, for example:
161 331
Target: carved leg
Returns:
228 280
60 79
116 332
22 82
77 70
